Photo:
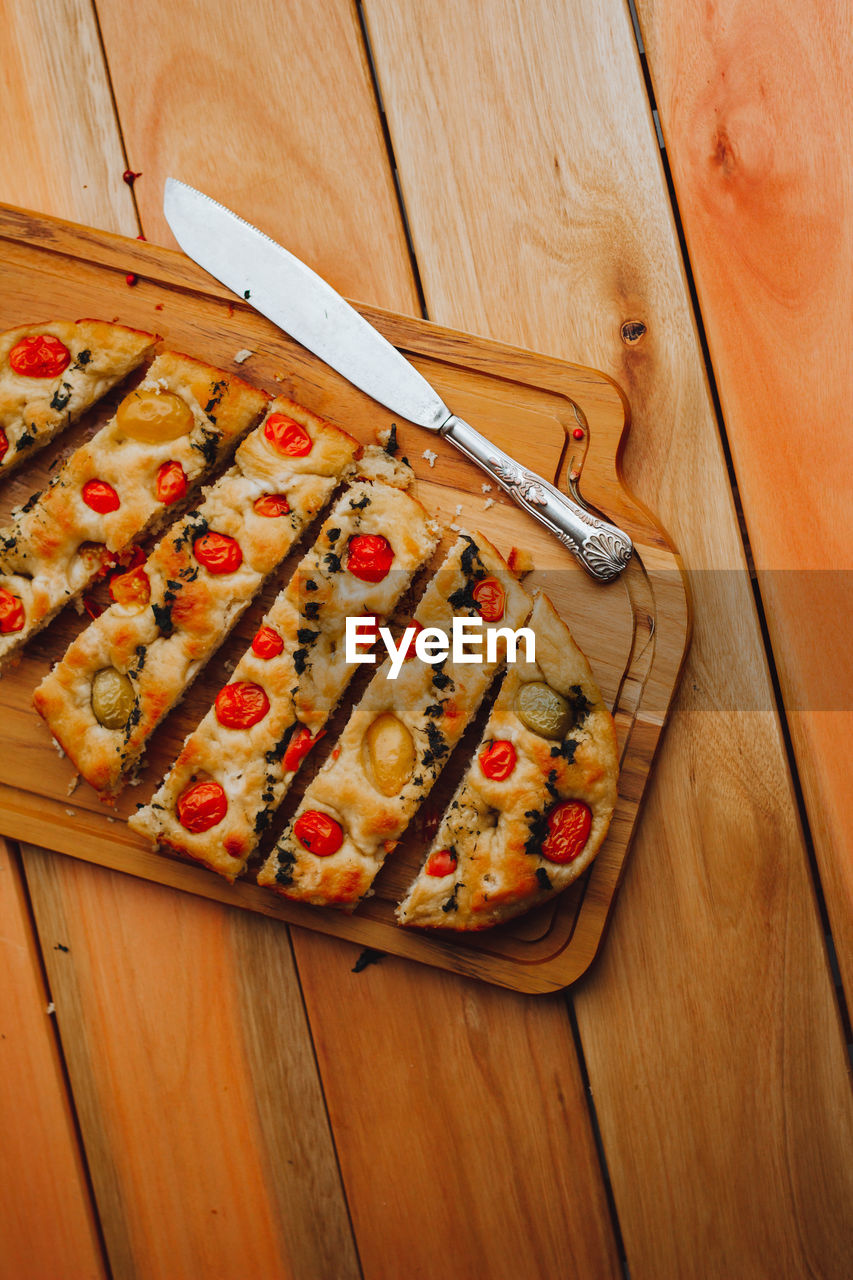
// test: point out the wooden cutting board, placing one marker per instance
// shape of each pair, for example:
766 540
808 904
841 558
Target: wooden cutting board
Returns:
634 631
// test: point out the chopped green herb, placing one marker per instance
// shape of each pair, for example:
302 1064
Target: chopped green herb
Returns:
61 396
163 618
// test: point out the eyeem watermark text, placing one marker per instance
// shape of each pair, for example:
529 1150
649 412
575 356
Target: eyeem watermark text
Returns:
432 644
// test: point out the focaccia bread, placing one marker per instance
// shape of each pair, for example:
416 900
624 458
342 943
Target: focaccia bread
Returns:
52 373
397 740
167 434
236 767
536 802
126 671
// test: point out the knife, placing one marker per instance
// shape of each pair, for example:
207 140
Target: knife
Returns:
298 301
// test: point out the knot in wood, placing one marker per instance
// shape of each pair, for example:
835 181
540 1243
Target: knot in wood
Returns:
632 331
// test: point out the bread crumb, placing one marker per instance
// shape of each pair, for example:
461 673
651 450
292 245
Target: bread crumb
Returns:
520 561
72 813
458 509
57 748
72 786
228 665
485 488
51 1008
457 528
430 456
243 355
490 502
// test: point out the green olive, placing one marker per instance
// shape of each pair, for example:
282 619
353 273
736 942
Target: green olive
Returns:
112 698
543 710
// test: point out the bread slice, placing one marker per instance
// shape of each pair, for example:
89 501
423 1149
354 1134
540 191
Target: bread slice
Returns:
532 811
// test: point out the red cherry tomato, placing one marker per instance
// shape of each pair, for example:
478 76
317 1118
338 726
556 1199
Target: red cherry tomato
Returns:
218 553
12 616
4 444
319 833
287 436
490 598
100 496
131 588
240 705
271 504
96 558
39 355
171 483
568 830
267 643
498 760
369 557
300 744
441 863
202 806
411 651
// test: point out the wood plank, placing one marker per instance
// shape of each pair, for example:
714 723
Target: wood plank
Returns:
60 150
42 1162
73 168
461 1123
750 98
197 1094
288 131
716 944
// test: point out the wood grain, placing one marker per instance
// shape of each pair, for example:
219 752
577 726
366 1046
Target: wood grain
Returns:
275 116
197 1094
60 150
750 98
486 1165
716 944
41 1157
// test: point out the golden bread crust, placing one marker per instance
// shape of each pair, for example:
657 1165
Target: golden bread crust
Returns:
433 704
56 545
494 828
34 410
303 683
161 646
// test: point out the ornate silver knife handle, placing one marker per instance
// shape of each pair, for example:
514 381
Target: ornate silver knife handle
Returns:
602 548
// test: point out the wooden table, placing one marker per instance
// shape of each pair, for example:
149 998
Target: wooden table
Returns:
189 1090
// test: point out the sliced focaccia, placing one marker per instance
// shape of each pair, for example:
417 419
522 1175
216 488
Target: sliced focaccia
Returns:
235 769
126 671
166 436
536 802
52 373
397 740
